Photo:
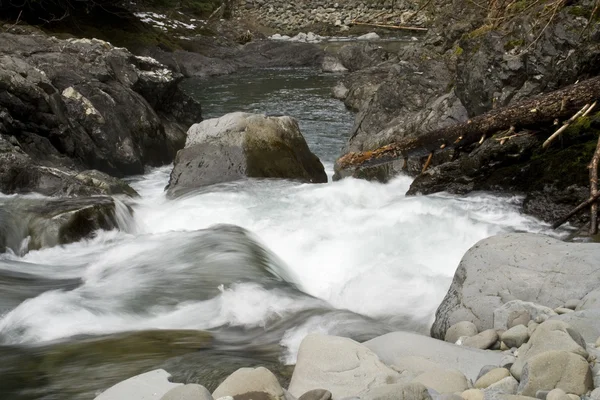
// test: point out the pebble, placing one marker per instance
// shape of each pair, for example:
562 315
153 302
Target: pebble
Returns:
515 336
483 340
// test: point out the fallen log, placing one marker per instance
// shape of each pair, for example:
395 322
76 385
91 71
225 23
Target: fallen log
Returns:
540 109
386 26
576 210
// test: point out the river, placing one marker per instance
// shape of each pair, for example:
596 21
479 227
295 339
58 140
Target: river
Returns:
257 263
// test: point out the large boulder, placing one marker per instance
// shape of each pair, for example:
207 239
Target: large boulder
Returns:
153 384
340 365
84 104
397 348
259 382
240 145
531 267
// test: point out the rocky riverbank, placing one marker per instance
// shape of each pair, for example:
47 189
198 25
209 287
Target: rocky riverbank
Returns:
509 328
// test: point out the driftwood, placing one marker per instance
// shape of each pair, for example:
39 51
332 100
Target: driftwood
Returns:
581 113
541 109
386 26
576 210
594 190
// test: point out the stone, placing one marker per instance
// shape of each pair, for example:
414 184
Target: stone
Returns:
491 377
369 36
443 381
149 386
562 310
572 303
507 385
463 328
517 312
590 301
523 263
188 392
339 91
585 322
483 340
515 336
552 335
393 347
556 369
332 64
316 394
557 394
251 380
240 145
472 394
595 394
398 391
531 327
573 396
341 365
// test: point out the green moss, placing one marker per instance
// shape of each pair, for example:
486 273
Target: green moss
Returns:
458 51
513 44
579 11
482 30
518 6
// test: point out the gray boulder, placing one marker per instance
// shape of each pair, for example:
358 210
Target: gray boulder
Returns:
460 329
341 365
507 385
590 301
240 145
394 347
515 336
443 381
188 392
530 266
332 64
398 391
491 377
153 384
585 322
358 56
517 312
483 340
556 369
316 394
260 382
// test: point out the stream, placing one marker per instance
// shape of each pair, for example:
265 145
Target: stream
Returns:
237 274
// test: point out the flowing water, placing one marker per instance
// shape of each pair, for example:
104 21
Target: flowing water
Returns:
257 263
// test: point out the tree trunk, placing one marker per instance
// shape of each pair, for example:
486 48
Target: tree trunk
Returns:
540 109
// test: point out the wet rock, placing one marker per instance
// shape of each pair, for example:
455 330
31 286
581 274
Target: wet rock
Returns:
357 56
188 392
522 263
341 365
515 336
463 328
151 384
240 145
369 36
491 377
247 383
394 347
332 64
556 369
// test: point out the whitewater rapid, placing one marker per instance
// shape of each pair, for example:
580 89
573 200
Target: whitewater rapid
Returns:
352 258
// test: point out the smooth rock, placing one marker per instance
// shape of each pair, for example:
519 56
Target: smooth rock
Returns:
530 265
590 301
316 394
251 380
491 377
517 312
463 328
398 391
444 382
507 385
149 386
369 36
472 394
557 394
332 64
556 369
483 340
586 322
572 303
395 346
562 310
341 365
188 392
240 145
595 394
515 336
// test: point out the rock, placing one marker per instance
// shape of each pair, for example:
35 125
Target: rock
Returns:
332 64
443 381
53 222
259 381
483 340
595 394
240 145
463 328
572 303
562 310
549 336
341 365
359 56
369 36
556 369
517 312
586 322
508 385
491 377
590 301
523 263
515 336
316 394
531 327
151 385
406 391
472 394
393 347
56 100
188 392
557 394
339 91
